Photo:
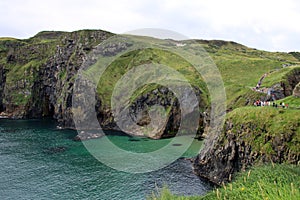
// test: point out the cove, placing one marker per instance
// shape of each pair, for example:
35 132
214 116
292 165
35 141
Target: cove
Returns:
40 162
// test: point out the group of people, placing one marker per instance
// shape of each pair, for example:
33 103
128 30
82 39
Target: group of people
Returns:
269 103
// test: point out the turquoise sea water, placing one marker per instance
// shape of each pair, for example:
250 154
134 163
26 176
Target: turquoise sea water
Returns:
37 161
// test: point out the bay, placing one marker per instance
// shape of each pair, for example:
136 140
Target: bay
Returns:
38 161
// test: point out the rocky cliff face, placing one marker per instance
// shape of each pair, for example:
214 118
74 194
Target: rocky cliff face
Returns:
246 141
53 88
2 84
296 91
291 80
38 75
140 113
252 135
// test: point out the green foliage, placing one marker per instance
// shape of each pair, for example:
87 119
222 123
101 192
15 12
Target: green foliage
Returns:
278 75
20 99
128 61
19 82
242 67
272 182
46 37
292 101
62 74
266 122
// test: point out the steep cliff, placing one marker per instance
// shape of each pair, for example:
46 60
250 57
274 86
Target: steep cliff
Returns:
256 134
38 74
251 135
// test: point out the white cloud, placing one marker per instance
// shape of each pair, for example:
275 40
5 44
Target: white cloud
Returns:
264 24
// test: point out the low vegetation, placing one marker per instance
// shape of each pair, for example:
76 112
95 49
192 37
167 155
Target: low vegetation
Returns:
291 101
263 126
267 182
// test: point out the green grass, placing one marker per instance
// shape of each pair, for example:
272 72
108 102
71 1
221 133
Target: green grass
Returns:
242 67
242 96
293 102
258 123
31 55
278 75
128 61
240 91
267 182
19 80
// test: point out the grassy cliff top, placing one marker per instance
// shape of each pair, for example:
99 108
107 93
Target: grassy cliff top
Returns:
259 123
274 182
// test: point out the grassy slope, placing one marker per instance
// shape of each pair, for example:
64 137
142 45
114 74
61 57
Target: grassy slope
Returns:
270 123
293 102
126 62
278 76
264 182
242 67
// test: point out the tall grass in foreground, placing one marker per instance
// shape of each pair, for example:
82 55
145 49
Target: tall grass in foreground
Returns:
268 182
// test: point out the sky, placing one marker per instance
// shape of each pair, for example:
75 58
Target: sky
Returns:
271 25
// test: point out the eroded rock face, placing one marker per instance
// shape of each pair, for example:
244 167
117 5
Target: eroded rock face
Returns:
168 126
296 91
55 87
2 84
293 78
285 88
232 152
143 122
49 64
46 85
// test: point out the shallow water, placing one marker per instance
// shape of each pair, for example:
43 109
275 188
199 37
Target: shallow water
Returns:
41 162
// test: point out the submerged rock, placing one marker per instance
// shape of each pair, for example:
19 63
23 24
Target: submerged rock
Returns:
86 135
54 150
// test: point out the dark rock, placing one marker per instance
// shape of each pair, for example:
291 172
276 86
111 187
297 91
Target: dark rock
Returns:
2 84
176 145
54 150
230 152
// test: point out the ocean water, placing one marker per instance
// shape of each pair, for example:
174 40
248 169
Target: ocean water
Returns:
37 161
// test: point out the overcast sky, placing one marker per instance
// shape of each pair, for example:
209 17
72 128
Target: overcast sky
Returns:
272 25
